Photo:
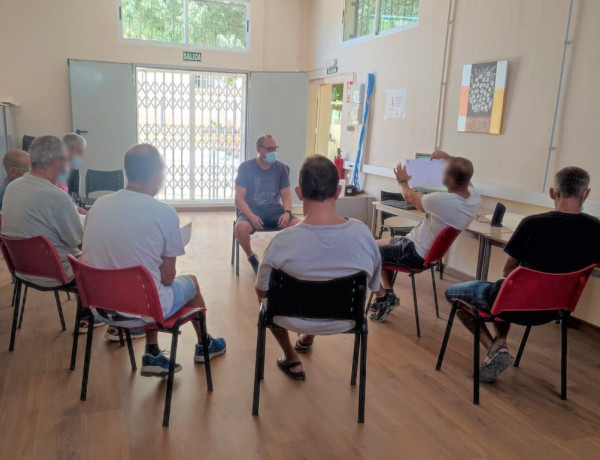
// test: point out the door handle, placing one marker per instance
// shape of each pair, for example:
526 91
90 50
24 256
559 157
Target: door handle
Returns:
80 131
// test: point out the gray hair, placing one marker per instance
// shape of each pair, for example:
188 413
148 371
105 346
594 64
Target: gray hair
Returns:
571 182
71 140
44 150
261 140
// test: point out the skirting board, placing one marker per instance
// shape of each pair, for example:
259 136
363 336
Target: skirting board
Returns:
491 190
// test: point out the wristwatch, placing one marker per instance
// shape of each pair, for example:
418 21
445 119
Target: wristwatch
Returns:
289 212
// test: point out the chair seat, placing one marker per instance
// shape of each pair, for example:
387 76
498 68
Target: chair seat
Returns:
184 315
403 269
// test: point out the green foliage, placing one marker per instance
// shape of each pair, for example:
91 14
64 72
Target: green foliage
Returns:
361 19
209 23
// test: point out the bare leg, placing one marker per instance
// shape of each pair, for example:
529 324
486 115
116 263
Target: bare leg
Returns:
485 337
243 230
306 339
386 275
283 338
151 337
499 342
196 302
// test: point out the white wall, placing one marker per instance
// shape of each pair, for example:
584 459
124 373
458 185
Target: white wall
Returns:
530 34
36 41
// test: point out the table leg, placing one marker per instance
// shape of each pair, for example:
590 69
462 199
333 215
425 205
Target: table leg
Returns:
487 253
480 257
374 221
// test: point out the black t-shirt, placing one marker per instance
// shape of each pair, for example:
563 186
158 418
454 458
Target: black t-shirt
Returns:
553 242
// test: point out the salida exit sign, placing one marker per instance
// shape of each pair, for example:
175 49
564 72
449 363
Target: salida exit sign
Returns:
192 56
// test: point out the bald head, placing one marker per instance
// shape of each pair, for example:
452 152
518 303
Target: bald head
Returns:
459 172
142 163
16 163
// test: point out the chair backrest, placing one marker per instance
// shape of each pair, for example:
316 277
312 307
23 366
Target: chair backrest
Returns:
35 256
26 143
441 245
527 291
389 196
340 298
100 181
126 290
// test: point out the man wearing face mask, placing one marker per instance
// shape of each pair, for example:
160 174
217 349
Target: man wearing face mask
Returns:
16 163
76 146
262 195
33 205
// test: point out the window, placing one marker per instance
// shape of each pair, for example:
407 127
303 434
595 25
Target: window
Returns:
371 17
200 23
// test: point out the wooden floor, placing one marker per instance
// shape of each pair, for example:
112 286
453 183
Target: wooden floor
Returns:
412 411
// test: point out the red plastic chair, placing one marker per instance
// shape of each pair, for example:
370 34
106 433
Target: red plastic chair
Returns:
132 291
437 251
35 256
528 298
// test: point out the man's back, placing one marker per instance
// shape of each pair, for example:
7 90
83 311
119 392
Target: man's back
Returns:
128 228
556 242
33 206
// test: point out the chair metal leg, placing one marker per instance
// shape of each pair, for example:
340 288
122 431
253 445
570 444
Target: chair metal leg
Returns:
522 346
435 298
263 345
438 366
121 338
23 307
258 363
476 348
76 334
205 345
68 295
441 269
233 244
414 290
14 296
237 258
13 331
60 312
563 361
130 349
87 357
363 378
355 358
171 375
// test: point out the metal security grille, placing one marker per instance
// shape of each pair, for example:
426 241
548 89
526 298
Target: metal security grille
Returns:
197 121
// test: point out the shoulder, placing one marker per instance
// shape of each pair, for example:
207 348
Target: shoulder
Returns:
281 166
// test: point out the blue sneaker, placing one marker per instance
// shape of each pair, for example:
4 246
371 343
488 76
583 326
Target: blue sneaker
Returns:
216 347
112 334
156 365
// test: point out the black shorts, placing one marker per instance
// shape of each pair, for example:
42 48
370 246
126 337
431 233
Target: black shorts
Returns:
401 251
270 216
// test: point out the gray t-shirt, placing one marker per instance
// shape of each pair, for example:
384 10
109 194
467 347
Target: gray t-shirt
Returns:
33 206
263 186
321 253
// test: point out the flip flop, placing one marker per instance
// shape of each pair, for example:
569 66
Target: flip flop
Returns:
285 367
302 347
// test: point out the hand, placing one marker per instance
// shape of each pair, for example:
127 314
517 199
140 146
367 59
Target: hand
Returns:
284 220
82 211
260 294
440 155
401 174
256 222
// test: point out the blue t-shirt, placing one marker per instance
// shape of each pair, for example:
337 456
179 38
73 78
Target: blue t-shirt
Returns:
263 186
5 183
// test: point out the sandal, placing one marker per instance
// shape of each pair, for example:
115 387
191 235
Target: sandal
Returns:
285 367
83 325
302 347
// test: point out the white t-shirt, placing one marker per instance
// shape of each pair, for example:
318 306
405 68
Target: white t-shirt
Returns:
442 210
128 228
321 253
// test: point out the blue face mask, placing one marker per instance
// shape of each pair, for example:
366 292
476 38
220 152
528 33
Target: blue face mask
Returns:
63 176
270 157
77 161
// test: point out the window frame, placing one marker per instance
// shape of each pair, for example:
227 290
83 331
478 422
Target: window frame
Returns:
377 33
139 41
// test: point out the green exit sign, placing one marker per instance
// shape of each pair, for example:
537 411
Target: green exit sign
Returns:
192 56
332 70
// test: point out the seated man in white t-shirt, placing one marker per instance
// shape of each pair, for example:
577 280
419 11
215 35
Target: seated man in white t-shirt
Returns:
323 246
456 208
130 227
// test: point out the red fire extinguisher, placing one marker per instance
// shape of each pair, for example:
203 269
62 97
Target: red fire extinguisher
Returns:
338 161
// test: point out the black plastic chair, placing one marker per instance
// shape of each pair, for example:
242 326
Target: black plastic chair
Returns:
26 143
101 181
394 231
337 299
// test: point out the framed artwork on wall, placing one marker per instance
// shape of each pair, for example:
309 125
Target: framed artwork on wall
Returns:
482 93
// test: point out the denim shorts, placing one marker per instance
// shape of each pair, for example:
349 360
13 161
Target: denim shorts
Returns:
401 251
184 290
269 215
473 292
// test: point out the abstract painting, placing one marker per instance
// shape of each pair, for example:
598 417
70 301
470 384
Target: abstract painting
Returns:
482 94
